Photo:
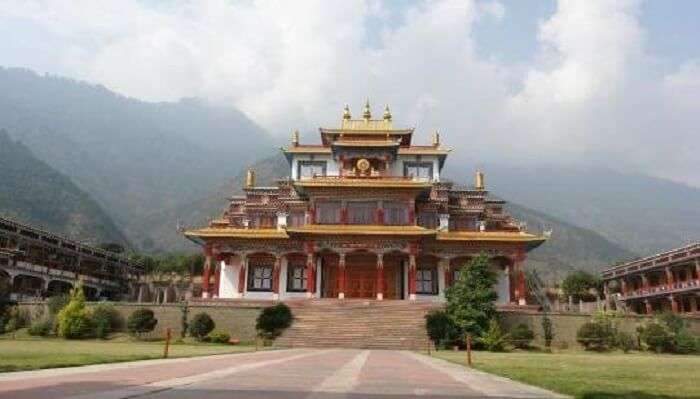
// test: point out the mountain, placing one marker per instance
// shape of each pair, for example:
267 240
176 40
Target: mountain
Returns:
642 214
569 248
36 194
135 158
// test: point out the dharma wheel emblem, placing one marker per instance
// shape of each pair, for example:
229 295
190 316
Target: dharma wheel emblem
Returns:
363 165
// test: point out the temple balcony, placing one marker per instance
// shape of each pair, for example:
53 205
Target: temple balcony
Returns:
382 181
663 289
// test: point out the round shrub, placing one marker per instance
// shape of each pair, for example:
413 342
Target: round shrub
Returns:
596 336
657 337
521 336
686 343
141 321
625 341
106 319
74 318
219 337
273 320
201 325
42 327
441 329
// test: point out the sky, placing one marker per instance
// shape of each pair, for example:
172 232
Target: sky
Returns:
594 83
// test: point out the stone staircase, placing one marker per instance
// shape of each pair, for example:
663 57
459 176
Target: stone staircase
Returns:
354 323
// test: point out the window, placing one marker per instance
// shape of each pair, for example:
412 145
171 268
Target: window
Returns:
419 170
296 219
263 221
361 212
296 278
429 220
395 213
309 169
260 278
426 281
463 224
328 213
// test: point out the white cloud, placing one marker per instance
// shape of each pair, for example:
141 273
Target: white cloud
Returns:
592 95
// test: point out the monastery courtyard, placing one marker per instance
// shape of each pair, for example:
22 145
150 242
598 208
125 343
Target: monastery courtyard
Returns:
293 373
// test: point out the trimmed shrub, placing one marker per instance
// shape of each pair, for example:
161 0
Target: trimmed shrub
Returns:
42 327
219 337
597 335
494 339
441 329
625 341
74 318
521 336
273 320
201 325
686 343
657 337
106 319
141 321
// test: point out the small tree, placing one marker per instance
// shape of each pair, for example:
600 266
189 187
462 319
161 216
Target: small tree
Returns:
184 324
441 329
141 321
598 334
74 318
657 337
273 320
470 300
105 319
521 336
578 285
548 330
201 325
494 339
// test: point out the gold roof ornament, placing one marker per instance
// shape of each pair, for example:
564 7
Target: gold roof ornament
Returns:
387 113
295 138
367 114
346 113
479 180
250 178
436 139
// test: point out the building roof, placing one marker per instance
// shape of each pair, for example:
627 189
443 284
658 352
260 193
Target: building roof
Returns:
354 229
232 232
352 182
532 240
663 258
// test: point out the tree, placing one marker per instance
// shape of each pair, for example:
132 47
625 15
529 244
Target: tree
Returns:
201 325
578 285
141 321
273 320
74 318
470 300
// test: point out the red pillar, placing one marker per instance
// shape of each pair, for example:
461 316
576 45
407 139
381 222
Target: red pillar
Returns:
674 304
276 277
411 277
217 277
522 291
206 272
310 276
669 276
380 277
242 274
341 276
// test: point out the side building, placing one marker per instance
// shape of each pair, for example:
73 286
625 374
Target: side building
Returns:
669 281
35 264
363 214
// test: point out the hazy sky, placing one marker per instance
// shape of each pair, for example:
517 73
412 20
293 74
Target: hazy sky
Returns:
614 83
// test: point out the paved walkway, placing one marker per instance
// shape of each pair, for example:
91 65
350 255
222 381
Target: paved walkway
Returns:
294 373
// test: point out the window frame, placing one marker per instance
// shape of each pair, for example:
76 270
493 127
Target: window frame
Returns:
399 205
374 205
433 281
418 164
304 277
338 212
301 164
251 278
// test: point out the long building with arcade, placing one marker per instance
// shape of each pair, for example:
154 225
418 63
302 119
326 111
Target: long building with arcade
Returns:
365 213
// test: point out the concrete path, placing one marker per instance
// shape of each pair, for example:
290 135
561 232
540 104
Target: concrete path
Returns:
294 373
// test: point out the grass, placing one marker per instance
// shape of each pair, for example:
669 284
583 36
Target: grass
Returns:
38 353
594 375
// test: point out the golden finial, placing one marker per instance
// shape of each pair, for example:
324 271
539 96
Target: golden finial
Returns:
250 178
367 114
295 138
479 180
387 113
436 139
346 112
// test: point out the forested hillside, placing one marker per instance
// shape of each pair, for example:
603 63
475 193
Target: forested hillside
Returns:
34 193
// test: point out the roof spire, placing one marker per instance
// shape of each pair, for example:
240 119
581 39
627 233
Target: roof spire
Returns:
436 138
295 138
367 114
479 180
387 113
346 113
250 178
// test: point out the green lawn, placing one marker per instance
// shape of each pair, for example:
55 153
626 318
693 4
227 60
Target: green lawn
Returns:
594 375
39 353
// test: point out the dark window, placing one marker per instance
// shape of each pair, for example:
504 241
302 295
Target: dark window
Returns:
361 212
421 170
309 169
429 220
463 224
426 281
395 213
263 221
297 219
296 278
328 213
260 278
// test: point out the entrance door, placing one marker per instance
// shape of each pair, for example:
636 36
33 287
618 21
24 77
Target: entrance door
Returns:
362 280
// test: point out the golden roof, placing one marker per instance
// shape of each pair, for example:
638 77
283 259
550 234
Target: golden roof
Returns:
360 229
365 143
383 182
231 232
506 236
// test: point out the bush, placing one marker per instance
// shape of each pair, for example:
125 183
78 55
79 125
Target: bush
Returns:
657 337
56 303
686 343
494 339
42 327
625 341
74 318
201 325
219 337
141 321
521 337
597 335
273 320
441 329
106 319
548 329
